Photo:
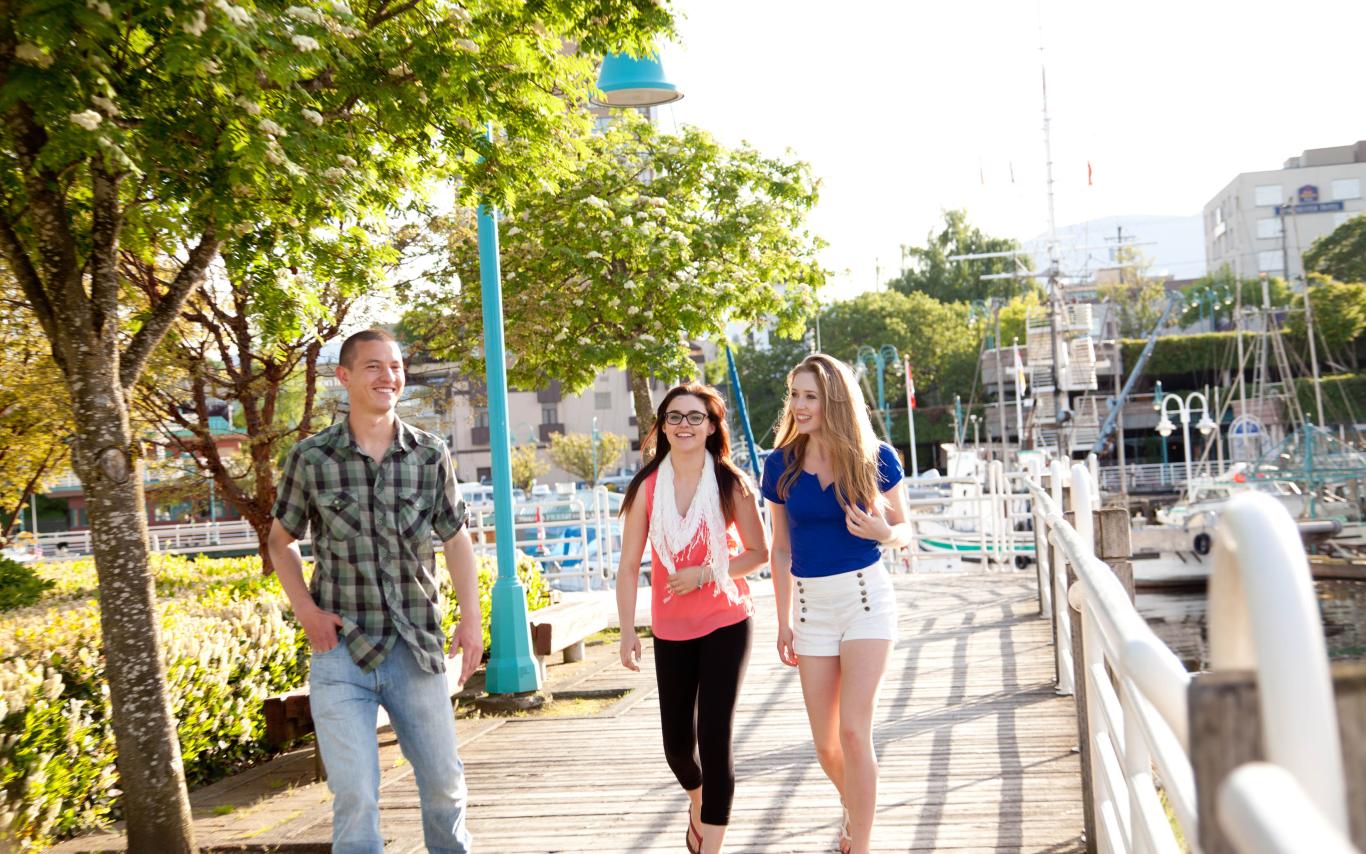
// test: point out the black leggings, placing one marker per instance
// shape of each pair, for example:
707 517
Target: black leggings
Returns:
699 682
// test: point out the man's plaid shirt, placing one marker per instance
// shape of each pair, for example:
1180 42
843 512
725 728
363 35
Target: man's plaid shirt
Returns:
372 525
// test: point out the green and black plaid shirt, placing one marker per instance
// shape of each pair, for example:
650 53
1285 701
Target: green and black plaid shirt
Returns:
372 527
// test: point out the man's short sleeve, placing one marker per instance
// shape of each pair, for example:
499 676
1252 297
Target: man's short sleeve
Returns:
448 517
890 472
773 470
292 496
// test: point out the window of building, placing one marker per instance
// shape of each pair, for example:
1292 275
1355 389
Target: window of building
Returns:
1346 188
1269 228
1270 261
1269 194
481 418
484 474
602 400
550 414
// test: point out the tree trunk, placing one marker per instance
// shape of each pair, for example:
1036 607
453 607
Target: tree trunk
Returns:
645 407
107 459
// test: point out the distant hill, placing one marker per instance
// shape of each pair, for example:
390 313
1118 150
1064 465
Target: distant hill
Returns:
1178 244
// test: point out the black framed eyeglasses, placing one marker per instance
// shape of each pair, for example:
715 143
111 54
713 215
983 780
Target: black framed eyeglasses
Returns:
675 418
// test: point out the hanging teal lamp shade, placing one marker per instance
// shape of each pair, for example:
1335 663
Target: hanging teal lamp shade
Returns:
628 82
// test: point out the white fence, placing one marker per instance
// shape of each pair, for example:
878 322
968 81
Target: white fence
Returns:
1157 477
1135 691
575 539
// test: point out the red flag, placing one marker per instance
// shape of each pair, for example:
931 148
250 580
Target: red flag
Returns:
910 388
1089 182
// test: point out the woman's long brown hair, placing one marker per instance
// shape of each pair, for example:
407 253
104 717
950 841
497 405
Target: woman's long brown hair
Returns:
850 440
728 476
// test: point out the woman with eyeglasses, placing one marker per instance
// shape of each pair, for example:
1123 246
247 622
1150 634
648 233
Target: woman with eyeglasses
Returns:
836 500
700 515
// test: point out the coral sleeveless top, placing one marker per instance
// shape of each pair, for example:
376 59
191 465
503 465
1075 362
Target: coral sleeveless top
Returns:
698 612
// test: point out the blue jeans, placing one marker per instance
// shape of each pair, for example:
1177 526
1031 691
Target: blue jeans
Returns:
344 703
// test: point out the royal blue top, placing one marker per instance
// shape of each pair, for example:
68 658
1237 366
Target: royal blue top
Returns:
821 543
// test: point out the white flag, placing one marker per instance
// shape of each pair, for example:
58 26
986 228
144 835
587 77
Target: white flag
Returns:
1019 375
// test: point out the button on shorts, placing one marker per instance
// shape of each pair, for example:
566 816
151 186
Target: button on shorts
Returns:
855 605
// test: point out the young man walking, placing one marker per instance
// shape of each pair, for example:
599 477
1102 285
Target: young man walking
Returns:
373 490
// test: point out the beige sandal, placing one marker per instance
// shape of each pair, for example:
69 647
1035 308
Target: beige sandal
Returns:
846 839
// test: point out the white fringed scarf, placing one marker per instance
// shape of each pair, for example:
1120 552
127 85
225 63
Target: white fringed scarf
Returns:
672 534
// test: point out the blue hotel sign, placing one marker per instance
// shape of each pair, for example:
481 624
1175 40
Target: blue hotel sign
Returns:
1307 202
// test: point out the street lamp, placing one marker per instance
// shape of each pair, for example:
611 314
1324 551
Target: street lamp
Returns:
1184 408
624 82
878 361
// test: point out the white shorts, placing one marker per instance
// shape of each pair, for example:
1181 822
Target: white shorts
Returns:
855 605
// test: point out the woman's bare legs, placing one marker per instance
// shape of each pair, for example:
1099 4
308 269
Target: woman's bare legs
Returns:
862 665
820 675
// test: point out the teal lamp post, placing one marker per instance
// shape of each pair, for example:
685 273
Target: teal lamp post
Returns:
625 82
878 361
511 667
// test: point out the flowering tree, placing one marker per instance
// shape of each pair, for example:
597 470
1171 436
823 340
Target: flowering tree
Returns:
574 453
659 238
162 129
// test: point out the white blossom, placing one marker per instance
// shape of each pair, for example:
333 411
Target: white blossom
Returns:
347 160
340 7
211 66
197 24
239 16
33 55
313 116
88 119
630 284
633 310
400 70
108 106
593 254
458 13
251 107
467 45
594 201
649 339
628 221
270 127
101 7
585 341
303 13
305 43
578 301
563 334
275 155
335 174
514 231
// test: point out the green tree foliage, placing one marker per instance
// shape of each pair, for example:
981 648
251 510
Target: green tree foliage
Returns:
936 336
573 452
1341 254
20 585
932 273
1015 315
159 130
527 465
659 238
1139 297
1339 321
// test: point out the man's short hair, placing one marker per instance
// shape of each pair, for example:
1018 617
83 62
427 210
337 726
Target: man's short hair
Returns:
348 350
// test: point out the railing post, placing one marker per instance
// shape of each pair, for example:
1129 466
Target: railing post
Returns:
1057 566
1079 513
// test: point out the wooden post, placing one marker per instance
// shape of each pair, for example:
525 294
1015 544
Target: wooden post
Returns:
1088 794
1113 544
1226 733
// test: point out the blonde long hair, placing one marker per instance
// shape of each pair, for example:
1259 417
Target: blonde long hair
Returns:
851 442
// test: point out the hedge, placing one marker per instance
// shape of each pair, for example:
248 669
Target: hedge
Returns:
228 642
1344 398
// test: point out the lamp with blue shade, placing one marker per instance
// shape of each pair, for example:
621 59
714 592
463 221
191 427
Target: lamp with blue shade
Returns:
628 82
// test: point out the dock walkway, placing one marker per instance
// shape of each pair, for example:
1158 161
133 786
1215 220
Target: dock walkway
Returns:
977 753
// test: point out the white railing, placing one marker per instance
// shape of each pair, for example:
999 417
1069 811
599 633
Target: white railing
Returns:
973 520
1262 617
1155 477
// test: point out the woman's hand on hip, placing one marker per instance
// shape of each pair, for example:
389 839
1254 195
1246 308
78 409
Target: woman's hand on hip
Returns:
869 526
686 579
786 654
630 650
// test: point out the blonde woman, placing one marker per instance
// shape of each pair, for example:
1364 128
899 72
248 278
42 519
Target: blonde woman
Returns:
700 516
836 500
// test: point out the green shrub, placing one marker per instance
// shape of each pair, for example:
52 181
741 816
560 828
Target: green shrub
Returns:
229 641
20 585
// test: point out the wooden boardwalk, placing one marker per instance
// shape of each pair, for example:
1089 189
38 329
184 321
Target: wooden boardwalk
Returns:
976 752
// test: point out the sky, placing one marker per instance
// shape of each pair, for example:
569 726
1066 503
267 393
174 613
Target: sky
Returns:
907 108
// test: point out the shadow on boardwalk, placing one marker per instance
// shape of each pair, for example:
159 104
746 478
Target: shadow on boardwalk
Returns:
975 748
